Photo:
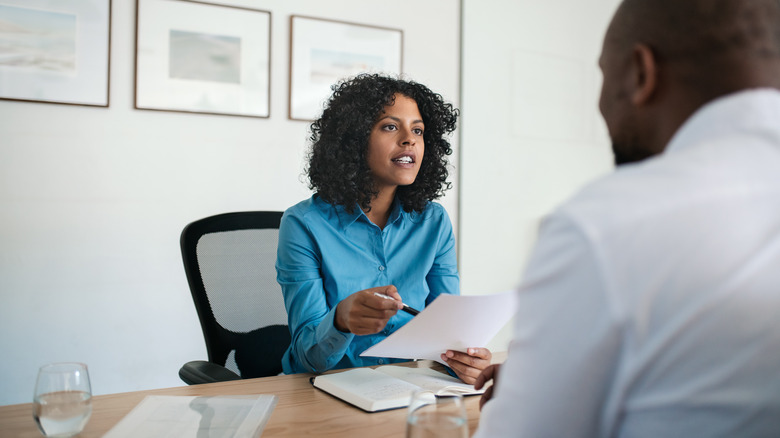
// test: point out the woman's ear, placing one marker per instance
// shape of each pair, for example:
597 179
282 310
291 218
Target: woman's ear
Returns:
646 74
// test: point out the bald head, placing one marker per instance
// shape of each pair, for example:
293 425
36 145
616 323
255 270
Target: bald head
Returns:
719 46
663 59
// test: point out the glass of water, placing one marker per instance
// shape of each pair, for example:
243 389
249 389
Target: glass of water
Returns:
62 402
436 415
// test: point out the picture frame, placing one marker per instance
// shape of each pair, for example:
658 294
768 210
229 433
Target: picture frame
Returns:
324 51
55 51
198 57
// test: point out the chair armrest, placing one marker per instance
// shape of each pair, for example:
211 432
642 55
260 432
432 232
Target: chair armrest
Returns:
200 371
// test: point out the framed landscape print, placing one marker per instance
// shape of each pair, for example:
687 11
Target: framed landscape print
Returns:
323 52
55 51
202 58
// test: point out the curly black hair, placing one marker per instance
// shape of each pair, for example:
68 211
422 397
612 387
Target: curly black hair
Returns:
338 169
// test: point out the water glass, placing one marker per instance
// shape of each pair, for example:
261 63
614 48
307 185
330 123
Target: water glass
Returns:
62 402
436 415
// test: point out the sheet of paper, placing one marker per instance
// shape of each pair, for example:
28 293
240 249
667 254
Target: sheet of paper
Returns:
429 379
451 322
219 416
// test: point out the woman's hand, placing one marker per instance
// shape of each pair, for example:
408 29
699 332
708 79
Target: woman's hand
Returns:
488 374
468 365
364 313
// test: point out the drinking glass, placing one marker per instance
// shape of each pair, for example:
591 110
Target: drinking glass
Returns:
62 402
436 415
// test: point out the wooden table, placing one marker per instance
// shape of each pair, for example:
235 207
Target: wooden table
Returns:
302 410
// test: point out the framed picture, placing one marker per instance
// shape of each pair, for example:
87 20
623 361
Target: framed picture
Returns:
55 51
204 58
322 52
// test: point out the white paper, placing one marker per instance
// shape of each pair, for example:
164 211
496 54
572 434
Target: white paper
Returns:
429 379
239 416
451 322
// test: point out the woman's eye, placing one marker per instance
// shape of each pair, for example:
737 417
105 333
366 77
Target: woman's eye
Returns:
389 128
418 131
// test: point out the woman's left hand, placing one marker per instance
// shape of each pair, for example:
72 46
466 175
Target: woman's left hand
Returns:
468 365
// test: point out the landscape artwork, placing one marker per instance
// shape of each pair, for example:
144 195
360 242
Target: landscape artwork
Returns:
199 57
327 66
204 57
37 40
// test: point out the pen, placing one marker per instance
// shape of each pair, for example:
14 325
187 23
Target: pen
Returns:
406 308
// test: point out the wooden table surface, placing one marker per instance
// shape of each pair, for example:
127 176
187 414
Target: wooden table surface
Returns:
302 410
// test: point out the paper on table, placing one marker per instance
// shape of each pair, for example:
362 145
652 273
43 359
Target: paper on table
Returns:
226 416
450 322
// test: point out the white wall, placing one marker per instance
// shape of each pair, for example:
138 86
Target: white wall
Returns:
92 201
531 132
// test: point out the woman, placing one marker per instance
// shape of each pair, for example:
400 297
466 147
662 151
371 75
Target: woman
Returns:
378 159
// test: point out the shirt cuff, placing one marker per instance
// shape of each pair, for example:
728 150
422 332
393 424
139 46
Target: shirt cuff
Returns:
330 337
451 372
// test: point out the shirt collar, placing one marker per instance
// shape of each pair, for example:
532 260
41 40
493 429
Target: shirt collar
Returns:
753 110
396 213
346 219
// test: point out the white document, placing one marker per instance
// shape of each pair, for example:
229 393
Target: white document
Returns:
450 322
228 416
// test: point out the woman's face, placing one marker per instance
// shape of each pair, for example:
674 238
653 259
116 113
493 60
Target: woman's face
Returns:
395 146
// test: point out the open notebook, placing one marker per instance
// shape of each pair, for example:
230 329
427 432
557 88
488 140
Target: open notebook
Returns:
387 387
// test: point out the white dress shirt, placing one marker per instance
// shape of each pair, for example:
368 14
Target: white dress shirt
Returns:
651 303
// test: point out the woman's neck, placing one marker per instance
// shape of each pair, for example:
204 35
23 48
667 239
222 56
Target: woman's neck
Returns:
381 206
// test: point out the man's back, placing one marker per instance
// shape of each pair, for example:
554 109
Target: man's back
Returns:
651 306
692 263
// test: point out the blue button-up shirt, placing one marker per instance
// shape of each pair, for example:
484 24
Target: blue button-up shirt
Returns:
326 254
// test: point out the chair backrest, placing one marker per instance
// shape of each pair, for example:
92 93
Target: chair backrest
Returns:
229 261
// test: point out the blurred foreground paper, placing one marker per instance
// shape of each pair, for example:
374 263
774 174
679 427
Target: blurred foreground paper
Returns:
450 322
239 416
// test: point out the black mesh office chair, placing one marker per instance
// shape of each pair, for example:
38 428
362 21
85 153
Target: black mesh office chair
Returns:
229 261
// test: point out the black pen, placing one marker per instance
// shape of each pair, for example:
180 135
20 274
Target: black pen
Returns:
406 308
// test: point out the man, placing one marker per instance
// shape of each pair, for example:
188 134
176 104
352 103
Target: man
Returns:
651 304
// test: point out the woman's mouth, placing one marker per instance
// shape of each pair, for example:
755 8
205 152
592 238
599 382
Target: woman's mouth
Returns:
405 159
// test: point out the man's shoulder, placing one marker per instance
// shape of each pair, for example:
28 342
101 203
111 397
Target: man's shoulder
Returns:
630 193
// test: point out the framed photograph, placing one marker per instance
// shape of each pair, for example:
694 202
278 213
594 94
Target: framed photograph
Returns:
55 51
322 52
204 58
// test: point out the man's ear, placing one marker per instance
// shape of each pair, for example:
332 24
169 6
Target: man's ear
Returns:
646 74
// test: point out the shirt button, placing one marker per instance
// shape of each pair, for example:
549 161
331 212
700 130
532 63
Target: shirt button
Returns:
381 268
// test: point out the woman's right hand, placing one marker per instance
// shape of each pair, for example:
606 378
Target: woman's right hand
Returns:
364 313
